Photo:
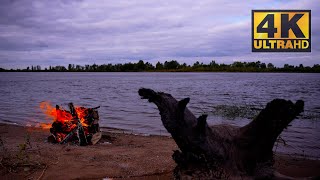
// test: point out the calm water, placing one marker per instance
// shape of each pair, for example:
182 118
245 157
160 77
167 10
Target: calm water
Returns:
231 98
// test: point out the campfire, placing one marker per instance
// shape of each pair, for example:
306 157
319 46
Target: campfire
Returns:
79 125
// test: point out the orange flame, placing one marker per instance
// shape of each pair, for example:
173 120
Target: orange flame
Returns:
62 116
55 114
82 113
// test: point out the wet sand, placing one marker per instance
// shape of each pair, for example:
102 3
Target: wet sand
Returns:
25 154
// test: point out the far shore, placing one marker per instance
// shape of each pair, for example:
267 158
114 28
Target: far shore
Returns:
173 71
25 154
173 66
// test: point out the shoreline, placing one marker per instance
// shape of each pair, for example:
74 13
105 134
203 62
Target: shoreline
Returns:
163 133
118 155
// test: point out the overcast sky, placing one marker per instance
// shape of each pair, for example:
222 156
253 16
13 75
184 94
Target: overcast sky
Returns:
92 31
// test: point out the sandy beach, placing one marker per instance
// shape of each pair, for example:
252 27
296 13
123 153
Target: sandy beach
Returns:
25 154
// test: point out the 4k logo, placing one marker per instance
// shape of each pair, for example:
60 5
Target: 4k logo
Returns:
281 30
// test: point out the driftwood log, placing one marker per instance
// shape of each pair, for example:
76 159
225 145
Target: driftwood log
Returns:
222 151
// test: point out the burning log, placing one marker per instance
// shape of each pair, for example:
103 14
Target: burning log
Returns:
79 125
222 151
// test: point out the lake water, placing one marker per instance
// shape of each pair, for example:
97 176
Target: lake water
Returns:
232 98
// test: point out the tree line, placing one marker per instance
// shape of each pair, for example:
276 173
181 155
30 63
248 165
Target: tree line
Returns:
174 66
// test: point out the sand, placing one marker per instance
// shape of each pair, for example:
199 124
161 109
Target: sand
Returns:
25 154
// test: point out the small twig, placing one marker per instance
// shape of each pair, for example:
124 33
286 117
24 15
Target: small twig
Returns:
45 168
55 163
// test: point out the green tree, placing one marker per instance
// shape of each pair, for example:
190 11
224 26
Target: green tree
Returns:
159 66
171 64
141 66
237 64
270 66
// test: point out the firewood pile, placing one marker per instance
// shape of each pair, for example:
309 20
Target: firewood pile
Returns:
79 125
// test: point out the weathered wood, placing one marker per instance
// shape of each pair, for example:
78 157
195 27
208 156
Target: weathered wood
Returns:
80 131
223 151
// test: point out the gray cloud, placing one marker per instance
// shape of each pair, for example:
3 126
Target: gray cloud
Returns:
61 32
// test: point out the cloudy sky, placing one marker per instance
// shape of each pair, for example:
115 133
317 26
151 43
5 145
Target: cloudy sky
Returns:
53 32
